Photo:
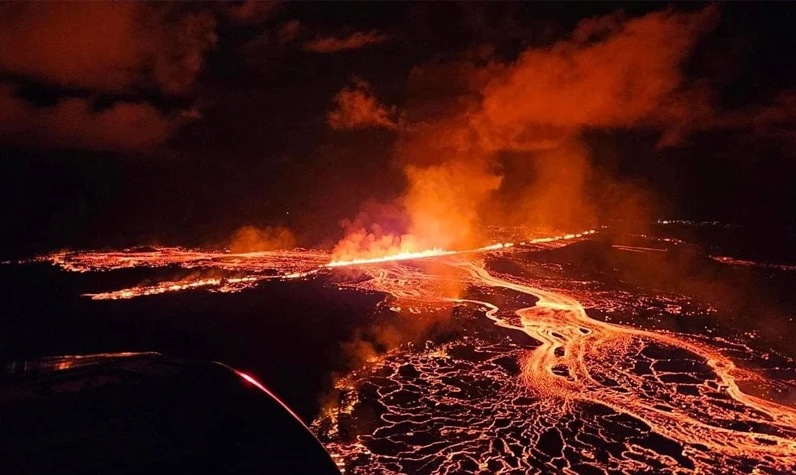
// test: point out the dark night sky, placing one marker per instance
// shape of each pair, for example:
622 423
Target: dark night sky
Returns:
131 124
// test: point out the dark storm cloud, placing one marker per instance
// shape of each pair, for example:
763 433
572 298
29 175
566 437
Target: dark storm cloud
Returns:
98 49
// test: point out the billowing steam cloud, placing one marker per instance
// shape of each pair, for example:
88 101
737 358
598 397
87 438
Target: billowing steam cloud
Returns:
461 118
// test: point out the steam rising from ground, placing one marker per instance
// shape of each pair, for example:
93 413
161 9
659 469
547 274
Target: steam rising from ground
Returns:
461 118
253 239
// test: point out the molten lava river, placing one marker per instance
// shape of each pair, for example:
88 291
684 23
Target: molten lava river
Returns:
534 377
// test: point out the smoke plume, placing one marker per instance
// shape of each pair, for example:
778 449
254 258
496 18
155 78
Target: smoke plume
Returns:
463 118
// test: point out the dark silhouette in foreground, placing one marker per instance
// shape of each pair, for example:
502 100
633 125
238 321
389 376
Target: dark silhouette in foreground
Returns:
145 413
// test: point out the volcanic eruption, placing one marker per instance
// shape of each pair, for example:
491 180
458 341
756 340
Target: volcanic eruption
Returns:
527 309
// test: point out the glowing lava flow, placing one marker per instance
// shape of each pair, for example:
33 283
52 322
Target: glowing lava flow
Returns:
254 266
219 285
222 285
288 261
214 271
405 256
569 338
537 386
583 396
